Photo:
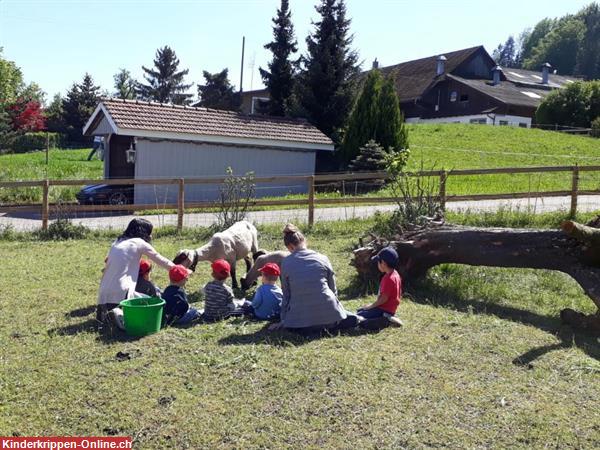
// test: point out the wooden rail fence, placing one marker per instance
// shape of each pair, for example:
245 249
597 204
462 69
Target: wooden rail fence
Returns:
311 201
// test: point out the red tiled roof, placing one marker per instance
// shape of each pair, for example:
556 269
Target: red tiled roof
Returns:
141 115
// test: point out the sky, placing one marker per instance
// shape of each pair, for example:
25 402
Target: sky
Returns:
55 42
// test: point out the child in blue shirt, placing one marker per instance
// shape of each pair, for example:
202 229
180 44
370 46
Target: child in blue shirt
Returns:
266 304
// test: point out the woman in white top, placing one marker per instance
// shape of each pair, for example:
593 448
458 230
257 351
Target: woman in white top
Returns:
123 264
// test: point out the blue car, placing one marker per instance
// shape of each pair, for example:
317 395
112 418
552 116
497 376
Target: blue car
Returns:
106 194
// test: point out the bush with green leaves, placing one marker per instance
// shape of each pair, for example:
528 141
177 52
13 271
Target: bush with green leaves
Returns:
576 105
235 195
28 142
63 230
596 127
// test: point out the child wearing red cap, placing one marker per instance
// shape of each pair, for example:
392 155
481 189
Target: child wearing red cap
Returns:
266 304
219 301
144 285
177 310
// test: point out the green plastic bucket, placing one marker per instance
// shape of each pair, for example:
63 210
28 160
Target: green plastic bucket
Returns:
142 316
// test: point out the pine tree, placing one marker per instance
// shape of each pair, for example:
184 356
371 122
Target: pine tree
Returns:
506 55
371 158
124 85
279 79
54 115
78 106
325 83
362 125
391 131
165 82
217 91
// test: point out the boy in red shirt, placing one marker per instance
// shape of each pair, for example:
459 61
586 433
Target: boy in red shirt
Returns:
390 289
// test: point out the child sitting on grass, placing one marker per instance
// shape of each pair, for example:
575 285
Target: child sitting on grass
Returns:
144 285
219 301
266 304
177 310
390 290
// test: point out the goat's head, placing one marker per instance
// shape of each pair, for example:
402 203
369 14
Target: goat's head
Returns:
258 254
187 258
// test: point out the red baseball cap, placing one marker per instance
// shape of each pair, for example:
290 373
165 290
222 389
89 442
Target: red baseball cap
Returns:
178 273
221 267
145 266
270 269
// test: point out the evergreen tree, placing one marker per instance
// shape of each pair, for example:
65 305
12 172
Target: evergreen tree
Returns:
371 158
217 91
125 85
391 131
164 82
279 79
54 115
588 56
506 55
325 83
362 124
78 106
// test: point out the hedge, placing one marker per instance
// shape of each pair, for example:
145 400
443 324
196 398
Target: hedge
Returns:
27 142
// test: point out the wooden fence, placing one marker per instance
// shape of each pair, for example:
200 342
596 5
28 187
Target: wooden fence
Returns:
310 202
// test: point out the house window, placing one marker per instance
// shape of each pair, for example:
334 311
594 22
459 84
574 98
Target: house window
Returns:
478 121
522 125
259 105
464 97
503 123
453 96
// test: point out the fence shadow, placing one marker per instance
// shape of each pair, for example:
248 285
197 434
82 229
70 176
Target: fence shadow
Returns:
428 294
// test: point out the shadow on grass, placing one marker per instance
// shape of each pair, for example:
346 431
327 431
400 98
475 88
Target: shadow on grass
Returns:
285 338
105 334
426 293
81 312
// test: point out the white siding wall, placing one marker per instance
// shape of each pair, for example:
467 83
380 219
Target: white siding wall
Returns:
173 159
514 121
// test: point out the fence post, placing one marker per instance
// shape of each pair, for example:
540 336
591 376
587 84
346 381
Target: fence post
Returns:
180 204
45 205
443 177
311 201
574 189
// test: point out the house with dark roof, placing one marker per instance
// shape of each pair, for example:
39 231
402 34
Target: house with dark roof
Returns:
467 86
146 140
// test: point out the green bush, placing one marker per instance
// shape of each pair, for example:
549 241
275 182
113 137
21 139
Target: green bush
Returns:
27 142
596 127
576 105
62 230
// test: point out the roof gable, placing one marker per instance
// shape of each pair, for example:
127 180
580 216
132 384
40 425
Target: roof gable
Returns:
183 122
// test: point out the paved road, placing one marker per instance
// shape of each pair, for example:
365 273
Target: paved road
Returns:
585 204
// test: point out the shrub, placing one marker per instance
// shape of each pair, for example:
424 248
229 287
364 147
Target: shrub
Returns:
596 127
62 230
234 199
27 142
576 105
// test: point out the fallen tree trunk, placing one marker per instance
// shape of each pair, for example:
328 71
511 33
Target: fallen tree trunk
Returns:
575 250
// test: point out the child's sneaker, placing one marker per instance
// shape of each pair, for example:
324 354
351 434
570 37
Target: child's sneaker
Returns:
115 316
394 321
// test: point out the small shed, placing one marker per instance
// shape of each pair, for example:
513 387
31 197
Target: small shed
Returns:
171 141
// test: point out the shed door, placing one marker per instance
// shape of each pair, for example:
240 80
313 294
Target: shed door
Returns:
118 165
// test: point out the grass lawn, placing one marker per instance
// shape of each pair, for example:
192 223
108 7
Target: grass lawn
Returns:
481 362
437 146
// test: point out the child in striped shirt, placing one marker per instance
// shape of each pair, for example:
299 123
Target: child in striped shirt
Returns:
219 301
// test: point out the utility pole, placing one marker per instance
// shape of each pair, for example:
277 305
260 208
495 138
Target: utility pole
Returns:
242 69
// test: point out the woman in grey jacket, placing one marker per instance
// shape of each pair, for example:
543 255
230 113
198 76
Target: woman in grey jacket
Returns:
310 300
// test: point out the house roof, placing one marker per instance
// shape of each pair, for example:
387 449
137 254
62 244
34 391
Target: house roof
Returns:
149 119
506 91
533 78
412 78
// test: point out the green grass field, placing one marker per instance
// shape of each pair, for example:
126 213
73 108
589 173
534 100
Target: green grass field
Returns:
482 361
439 146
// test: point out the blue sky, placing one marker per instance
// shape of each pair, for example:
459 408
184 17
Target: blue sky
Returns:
56 41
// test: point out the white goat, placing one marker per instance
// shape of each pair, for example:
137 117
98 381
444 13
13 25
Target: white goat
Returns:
260 259
233 244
